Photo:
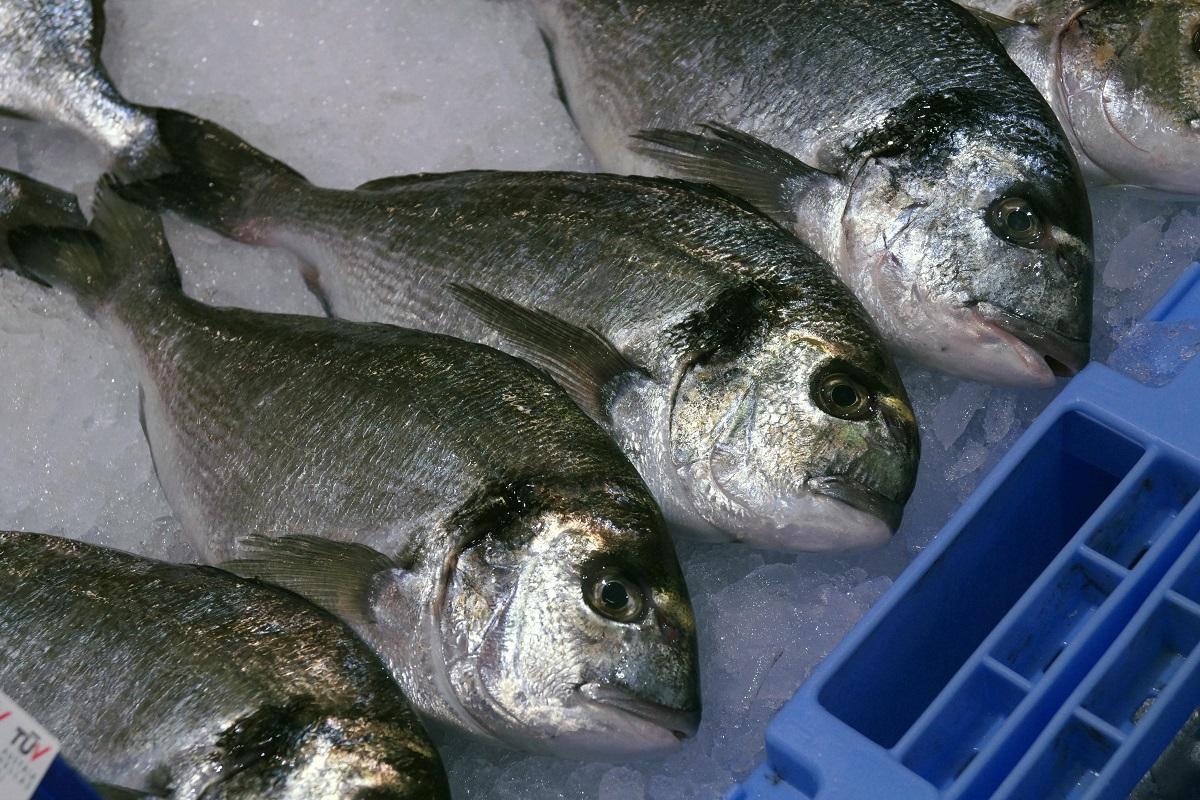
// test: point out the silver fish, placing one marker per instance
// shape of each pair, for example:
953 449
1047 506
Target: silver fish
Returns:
50 70
1122 76
743 379
449 501
25 201
894 136
187 682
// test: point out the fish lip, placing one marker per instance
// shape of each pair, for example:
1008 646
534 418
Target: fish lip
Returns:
682 723
857 494
1065 356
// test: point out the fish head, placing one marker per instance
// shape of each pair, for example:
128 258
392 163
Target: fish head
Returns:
1127 84
305 748
969 242
790 428
570 630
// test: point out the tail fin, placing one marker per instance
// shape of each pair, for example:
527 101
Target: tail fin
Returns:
215 178
24 201
125 246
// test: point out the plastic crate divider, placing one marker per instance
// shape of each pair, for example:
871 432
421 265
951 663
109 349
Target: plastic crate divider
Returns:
1155 729
1089 719
1056 614
1039 626
1007 672
938 625
963 725
1172 527
1157 656
1072 763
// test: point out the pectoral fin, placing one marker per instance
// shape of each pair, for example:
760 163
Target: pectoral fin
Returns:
739 163
581 360
335 575
997 22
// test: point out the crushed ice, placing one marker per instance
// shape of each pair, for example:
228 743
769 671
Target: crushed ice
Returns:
419 85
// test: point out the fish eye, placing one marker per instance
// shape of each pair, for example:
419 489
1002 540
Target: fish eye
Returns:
616 598
1015 220
841 396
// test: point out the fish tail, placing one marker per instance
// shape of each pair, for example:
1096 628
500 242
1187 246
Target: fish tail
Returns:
125 247
214 178
31 202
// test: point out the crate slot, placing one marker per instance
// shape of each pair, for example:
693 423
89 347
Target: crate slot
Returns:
953 738
1188 583
1002 548
1145 513
1069 766
1037 638
1135 680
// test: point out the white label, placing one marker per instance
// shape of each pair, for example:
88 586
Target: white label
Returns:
26 750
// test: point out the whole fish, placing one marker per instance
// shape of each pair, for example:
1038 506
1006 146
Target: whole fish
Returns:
25 201
50 70
894 136
1123 76
742 378
188 682
450 502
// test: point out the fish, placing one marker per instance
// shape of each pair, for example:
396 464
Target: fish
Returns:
447 500
738 373
25 201
895 137
50 71
1123 78
182 681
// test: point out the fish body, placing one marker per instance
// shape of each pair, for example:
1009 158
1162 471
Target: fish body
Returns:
185 682
893 136
449 501
1123 78
707 340
50 70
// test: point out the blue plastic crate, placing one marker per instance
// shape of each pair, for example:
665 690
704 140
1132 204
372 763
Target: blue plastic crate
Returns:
61 782
1046 644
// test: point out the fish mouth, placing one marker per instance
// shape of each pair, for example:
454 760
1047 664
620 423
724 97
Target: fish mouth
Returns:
1062 355
682 724
860 496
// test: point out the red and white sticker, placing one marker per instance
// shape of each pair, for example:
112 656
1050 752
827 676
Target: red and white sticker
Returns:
26 750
